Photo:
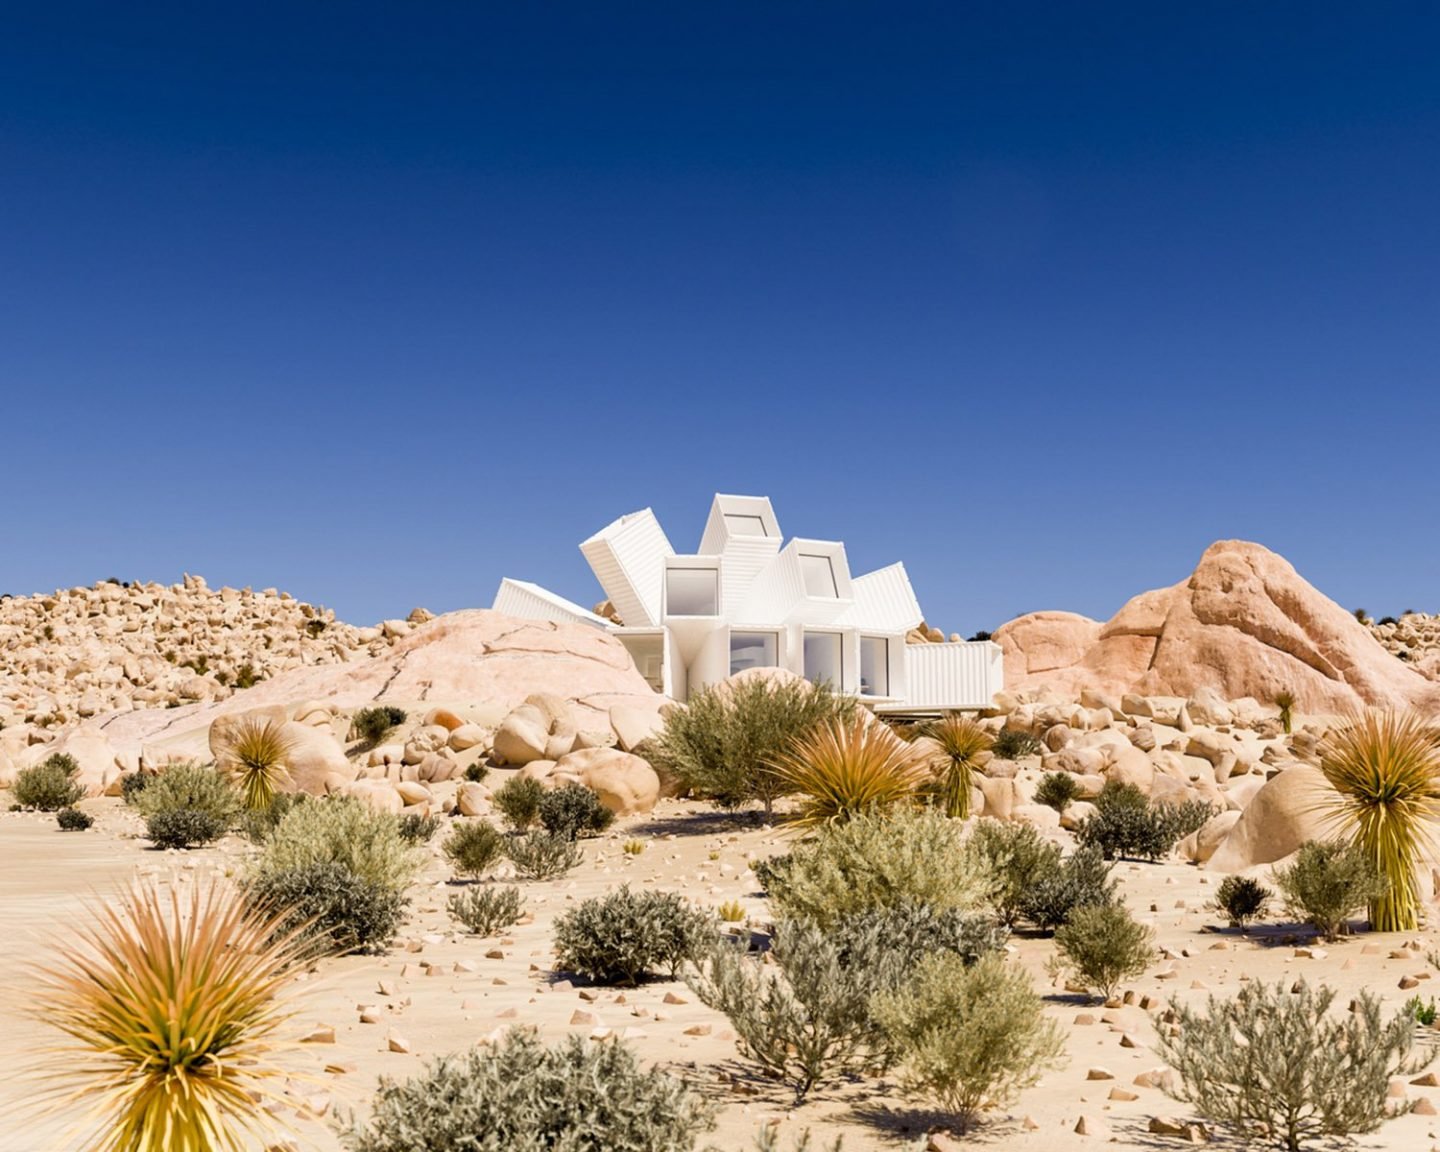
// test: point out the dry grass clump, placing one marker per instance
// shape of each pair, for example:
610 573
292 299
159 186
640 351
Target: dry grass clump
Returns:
960 741
253 756
170 1006
847 767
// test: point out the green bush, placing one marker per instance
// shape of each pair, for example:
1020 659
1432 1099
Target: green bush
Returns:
417 829
969 1037
329 905
1014 744
486 911
518 802
342 830
1017 858
371 724
1273 1062
132 784
624 936
1102 946
1083 881
49 785
1057 790
1242 899
73 820
1423 1013
518 1094
573 811
541 856
188 805
1127 824
724 742
473 848
475 773
257 824
874 861
1327 884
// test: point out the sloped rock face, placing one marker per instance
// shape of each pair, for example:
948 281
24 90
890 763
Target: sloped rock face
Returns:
1244 624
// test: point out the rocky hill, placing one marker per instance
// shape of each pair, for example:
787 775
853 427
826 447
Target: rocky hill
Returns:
111 647
1244 624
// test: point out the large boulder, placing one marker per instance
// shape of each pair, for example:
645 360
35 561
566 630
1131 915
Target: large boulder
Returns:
95 755
522 736
626 784
1285 813
1245 624
316 763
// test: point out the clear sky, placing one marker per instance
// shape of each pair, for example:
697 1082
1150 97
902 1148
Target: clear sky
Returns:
378 304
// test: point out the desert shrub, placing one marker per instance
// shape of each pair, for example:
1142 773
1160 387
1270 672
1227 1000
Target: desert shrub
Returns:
132 784
898 936
1127 824
1272 1062
573 811
1385 769
49 785
472 848
960 742
1082 881
1328 882
253 755
874 861
1016 858
485 911
1423 1012
1242 899
1057 790
169 1006
475 773
541 856
623 936
969 1036
73 820
518 802
246 676
843 767
417 829
1101 946
330 906
517 1093
724 743
1014 744
342 830
768 1140
1285 703
257 825
731 912
188 805
371 724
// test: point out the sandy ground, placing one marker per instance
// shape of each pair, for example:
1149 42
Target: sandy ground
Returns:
442 991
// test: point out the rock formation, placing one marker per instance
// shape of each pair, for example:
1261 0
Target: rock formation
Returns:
1245 624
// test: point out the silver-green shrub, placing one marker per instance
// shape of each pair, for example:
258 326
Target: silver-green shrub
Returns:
188 805
50 785
1328 882
1102 946
473 847
969 1036
486 911
1273 1063
624 936
541 856
518 1095
344 831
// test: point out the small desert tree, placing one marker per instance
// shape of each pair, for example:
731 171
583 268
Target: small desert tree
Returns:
1273 1062
1102 946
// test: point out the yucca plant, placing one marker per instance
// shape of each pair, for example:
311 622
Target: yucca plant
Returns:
849 766
1385 767
1285 701
960 741
171 1005
254 755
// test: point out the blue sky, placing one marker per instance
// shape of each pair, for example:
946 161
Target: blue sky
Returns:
380 303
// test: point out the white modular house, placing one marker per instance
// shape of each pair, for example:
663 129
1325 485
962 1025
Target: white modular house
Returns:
749 599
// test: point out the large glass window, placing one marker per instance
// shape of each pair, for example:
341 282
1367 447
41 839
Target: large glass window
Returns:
753 650
819 574
742 524
874 666
822 658
692 592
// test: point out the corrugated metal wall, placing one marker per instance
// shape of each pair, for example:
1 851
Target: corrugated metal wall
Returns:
515 599
884 601
628 558
744 558
964 675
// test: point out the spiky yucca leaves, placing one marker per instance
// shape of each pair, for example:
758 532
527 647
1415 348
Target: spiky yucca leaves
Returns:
849 766
960 741
171 1005
1385 767
254 754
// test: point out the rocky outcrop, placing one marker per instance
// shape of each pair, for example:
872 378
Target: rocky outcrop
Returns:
1245 624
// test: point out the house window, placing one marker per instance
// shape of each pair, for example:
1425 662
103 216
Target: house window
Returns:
692 592
753 650
741 524
822 658
874 666
819 574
